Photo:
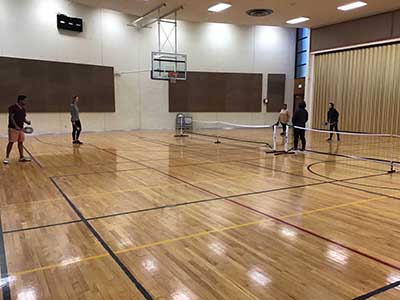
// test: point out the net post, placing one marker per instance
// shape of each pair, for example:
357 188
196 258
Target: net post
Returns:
286 139
274 139
392 170
218 141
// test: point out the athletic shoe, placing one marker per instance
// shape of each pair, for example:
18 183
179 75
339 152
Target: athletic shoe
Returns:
6 161
25 159
329 140
79 142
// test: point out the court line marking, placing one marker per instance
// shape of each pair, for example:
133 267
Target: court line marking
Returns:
104 244
33 158
378 291
195 235
280 220
309 168
41 226
5 285
302 229
219 198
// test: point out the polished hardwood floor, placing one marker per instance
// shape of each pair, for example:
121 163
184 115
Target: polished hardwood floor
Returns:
144 215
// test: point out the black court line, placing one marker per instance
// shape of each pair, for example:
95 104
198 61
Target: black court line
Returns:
159 142
197 201
371 159
280 171
5 285
232 139
378 291
99 172
123 267
317 235
33 157
348 181
41 226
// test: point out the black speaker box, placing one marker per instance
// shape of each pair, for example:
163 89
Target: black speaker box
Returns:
67 23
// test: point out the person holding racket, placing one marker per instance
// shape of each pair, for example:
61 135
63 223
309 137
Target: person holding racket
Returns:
16 121
333 120
75 120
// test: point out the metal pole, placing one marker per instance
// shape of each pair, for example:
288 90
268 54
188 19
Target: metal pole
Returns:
163 16
148 13
159 32
287 139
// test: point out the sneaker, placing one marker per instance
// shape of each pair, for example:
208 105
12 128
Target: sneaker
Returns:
25 159
329 140
6 161
79 142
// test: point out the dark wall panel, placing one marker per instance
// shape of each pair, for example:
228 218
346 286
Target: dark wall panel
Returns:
216 92
396 24
50 86
276 92
365 30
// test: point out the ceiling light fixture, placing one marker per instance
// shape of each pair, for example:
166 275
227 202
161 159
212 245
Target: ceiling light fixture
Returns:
352 5
219 7
259 12
298 20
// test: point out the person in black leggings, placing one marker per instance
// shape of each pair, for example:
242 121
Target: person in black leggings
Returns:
76 123
333 120
300 119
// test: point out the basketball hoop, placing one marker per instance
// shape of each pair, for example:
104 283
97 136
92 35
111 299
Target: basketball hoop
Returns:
172 76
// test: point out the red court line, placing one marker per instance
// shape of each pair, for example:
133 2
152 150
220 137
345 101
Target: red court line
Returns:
317 235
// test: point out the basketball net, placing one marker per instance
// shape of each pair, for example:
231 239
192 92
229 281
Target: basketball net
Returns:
172 76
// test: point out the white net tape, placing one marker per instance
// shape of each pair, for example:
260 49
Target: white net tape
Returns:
377 147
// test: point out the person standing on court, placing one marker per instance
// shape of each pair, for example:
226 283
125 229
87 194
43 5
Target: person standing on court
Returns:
75 120
16 121
333 120
284 117
300 119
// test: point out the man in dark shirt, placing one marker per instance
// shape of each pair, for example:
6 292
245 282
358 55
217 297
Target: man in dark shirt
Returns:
300 119
333 120
16 120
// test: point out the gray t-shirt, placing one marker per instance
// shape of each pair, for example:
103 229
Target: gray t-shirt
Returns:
74 109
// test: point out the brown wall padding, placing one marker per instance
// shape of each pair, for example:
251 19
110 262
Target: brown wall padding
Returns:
365 30
276 92
50 86
216 92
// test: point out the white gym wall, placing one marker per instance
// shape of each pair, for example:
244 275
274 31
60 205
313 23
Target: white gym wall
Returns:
28 30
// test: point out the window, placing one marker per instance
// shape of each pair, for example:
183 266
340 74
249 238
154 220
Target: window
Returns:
302 52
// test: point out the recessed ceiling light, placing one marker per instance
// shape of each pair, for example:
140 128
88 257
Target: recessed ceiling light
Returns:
352 5
298 20
259 12
219 7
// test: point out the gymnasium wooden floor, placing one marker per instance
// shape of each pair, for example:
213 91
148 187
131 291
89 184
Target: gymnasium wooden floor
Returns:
143 215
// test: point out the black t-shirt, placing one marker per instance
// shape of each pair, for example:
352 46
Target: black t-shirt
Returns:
19 114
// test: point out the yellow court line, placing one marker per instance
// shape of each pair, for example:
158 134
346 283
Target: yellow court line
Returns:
199 234
333 207
59 265
186 237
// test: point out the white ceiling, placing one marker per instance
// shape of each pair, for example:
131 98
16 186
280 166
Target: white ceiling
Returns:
321 12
